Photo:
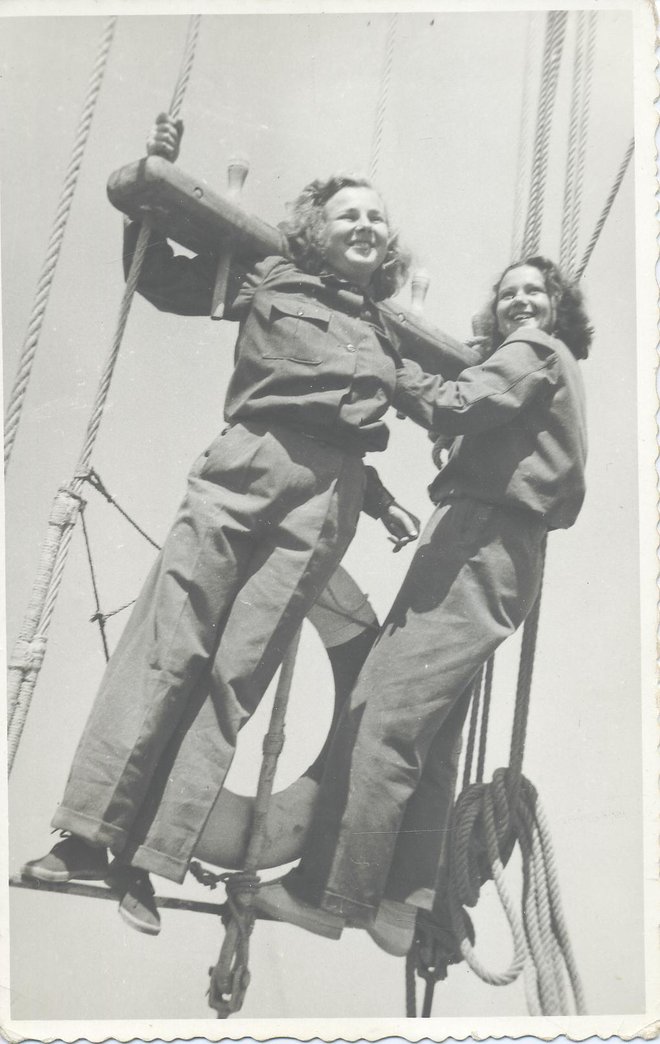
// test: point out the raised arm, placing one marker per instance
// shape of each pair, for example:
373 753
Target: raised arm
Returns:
434 350
484 396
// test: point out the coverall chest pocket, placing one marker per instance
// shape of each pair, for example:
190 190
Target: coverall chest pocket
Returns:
298 331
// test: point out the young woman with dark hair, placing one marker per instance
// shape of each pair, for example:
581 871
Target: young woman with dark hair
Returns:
376 849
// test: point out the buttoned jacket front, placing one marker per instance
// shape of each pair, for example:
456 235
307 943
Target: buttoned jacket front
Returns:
311 353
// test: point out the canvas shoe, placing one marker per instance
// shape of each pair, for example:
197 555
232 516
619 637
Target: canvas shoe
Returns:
275 901
71 859
393 927
137 905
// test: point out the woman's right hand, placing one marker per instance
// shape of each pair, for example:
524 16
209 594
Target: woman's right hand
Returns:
165 137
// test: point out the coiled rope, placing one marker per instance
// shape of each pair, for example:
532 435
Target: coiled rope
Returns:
25 663
487 821
383 96
552 52
31 342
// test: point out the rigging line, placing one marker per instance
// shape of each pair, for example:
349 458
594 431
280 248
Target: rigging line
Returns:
185 72
485 713
98 615
31 644
95 481
582 135
606 209
472 730
571 151
555 29
383 97
579 121
523 145
31 342
523 689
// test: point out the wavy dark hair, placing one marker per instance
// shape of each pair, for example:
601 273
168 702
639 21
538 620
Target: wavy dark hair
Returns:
305 226
572 324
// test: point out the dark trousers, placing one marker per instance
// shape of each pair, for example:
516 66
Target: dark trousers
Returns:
381 821
267 516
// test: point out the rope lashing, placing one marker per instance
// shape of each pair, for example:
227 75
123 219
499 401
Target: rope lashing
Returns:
56 547
230 977
35 323
62 518
429 963
554 38
585 37
383 96
606 209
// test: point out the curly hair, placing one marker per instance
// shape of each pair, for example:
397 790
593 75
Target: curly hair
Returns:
305 226
572 325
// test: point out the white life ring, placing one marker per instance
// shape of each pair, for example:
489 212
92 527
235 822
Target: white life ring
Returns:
341 615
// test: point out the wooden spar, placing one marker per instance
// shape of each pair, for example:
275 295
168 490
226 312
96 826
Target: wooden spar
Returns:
91 891
188 211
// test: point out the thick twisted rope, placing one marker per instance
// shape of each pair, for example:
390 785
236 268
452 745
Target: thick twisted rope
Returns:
523 146
555 29
35 323
383 96
487 821
185 71
572 145
578 127
606 209
26 661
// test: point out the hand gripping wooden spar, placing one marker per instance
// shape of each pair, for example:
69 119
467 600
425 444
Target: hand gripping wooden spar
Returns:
188 211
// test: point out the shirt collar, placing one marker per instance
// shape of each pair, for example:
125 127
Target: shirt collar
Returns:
330 279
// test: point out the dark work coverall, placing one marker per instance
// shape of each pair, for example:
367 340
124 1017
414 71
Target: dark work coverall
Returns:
516 469
269 511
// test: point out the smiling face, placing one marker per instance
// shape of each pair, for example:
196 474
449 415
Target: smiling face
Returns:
356 234
522 300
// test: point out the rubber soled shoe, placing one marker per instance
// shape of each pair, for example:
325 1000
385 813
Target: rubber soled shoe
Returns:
274 900
69 860
138 904
393 927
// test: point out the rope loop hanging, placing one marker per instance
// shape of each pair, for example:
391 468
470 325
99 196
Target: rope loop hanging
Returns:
55 550
35 322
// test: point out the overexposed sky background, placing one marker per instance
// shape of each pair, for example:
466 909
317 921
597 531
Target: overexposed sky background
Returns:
297 94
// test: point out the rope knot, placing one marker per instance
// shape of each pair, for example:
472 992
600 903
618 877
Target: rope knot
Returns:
28 655
66 506
241 884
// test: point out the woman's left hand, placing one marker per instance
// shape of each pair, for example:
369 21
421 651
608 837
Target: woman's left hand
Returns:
402 525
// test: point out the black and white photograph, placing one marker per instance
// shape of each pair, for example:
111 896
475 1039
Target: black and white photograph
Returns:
329 348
